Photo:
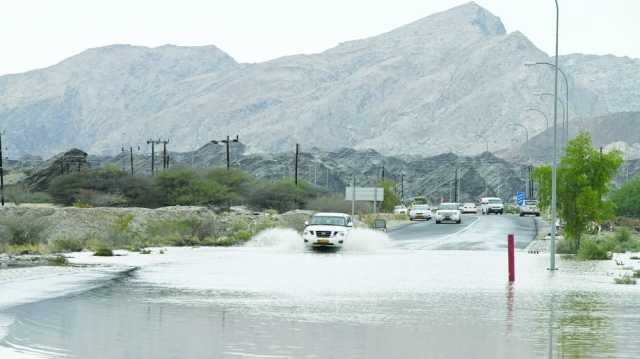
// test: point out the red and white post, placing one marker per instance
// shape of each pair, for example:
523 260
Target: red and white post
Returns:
511 255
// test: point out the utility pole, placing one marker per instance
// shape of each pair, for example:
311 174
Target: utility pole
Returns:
1 173
353 198
455 186
165 158
382 172
153 154
402 187
227 142
131 159
296 164
124 159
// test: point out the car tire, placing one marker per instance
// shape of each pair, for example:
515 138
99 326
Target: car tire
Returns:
521 214
437 222
459 221
537 214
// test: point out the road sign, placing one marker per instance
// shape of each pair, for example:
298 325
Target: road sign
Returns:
365 194
520 198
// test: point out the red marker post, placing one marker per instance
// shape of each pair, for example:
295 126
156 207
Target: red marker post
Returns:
511 255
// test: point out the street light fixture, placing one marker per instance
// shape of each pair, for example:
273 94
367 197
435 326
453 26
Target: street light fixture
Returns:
533 109
485 140
564 76
565 114
554 168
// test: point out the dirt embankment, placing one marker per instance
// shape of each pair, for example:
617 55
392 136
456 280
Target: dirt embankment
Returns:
65 222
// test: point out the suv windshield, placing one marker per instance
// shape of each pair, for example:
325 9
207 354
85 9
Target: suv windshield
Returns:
448 206
531 203
328 220
421 207
495 201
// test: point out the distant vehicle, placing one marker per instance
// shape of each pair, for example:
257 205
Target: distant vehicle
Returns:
448 212
529 207
380 225
469 208
420 211
419 200
491 205
400 210
327 230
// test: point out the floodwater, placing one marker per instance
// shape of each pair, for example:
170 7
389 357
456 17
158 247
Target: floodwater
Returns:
273 299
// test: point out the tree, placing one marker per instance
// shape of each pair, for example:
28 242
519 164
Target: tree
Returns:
185 187
390 197
584 175
627 199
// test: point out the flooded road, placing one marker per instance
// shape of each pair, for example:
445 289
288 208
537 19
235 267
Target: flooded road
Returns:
378 298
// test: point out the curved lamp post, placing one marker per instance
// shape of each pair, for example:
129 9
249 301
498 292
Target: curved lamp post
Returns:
533 109
565 115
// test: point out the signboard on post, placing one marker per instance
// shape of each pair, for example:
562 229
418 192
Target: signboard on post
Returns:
520 198
371 194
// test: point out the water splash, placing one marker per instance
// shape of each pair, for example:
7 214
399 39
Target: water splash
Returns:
282 239
367 240
288 240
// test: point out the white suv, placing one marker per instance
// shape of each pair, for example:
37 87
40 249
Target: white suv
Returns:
492 205
420 211
448 212
327 230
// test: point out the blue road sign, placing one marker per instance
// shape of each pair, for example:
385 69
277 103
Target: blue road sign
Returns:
520 198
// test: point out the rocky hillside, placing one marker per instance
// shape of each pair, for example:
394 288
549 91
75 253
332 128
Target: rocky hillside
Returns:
614 131
419 89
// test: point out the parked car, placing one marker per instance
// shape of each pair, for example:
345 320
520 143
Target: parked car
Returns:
448 212
469 208
529 207
491 205
327 230
400 209
420 211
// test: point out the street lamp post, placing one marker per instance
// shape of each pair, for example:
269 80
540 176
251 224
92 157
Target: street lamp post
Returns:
564 76
485 140
1 173
565 115
533 109
528 163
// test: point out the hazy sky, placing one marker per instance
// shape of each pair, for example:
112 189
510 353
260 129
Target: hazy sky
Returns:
39 33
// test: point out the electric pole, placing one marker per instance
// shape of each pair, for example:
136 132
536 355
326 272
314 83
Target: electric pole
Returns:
227 142
165 158
153 154
131 158
455 186
402 187
296 164
1 173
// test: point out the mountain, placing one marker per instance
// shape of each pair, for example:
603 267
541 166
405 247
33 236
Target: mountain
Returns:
612 131
429 87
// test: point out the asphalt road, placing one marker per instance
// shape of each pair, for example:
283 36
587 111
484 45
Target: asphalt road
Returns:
476 232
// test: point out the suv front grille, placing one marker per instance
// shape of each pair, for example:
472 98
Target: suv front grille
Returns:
323 234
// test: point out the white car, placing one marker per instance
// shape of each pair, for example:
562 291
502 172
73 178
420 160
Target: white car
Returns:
420 211
491 205
400 210
530 207
327 230
448 212
469 208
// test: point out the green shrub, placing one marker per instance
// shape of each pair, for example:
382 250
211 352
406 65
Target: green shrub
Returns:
67 244
58 261
103 252
22 229
185 187
593 250
624 280
282 196
19 194
565 246
627 198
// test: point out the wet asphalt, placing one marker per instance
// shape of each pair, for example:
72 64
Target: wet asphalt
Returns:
476 232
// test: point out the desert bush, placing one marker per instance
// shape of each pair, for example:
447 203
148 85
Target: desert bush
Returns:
22 229
591 249
282 196
19 194
103 251
66 244
185 187
58 261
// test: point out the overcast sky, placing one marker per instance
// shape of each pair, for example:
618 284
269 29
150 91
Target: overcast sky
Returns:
40 33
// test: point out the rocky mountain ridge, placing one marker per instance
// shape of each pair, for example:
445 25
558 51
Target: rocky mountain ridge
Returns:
430 87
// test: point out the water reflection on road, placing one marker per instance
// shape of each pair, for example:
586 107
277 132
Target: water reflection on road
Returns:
273 299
